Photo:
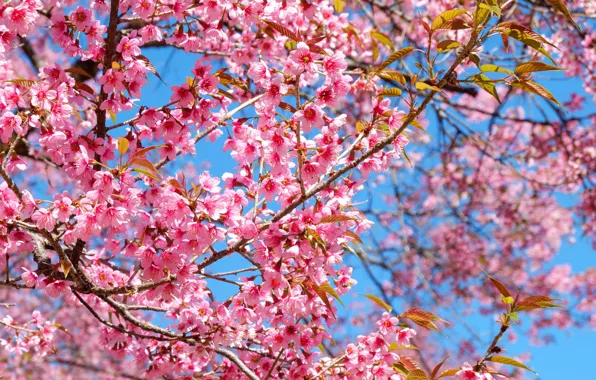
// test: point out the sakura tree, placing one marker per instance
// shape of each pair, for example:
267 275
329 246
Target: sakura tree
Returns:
409 139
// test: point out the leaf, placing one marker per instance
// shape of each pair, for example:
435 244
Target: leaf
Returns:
446 16
417 374
226 94
510 25
393 346
112 116
421 86
78 70
447 45
150 66
123 145
322 348
394 57
422 318
375 51
480 15
338 5
408 363
507 300
144 163
526 36
537 89
283 30
353 236
490 68
22 82
485 83
60 327
391 92
382 38
531 67
509 361
378 301
84 87
65 267
392 75
335 219
438 368
142 151
449 372
323 296
500 287
329 290
561 7
536 302
115 66
147 173
287 107
228 79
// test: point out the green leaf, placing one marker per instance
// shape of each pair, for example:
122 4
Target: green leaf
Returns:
391 92
122 145
531 67
392 75
146 172
382 38
509 361
486 84
447 45
323 296
561 7
112 116
449 372
482 13
329 290
421 86
417 374
422 318
535 88
525 36
394 57
490 68
338 5
446 16
378 301
507 300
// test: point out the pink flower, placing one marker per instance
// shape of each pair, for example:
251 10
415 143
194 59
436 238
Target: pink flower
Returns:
467 373
19 19
404 335
30 278
42 96
9 122
129 48
182 94
81 18
112 81
58 287
144 8
310 116
302 60
44 219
